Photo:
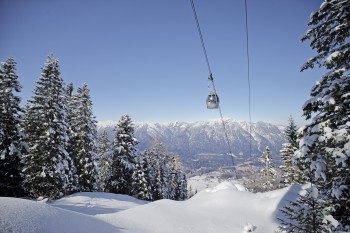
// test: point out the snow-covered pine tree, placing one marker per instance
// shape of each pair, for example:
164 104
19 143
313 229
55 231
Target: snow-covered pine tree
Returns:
144 174
11 135
290 173
174 178
164 171
305 215
325 144
149 173
165 176
183 188
177 181
156 175
140 187
268 171
160 157
47 169
71 103
83 143
104 160
124 158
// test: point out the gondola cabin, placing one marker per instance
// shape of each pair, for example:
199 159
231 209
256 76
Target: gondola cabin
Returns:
212 101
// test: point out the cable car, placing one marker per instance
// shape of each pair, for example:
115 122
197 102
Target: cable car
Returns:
213 100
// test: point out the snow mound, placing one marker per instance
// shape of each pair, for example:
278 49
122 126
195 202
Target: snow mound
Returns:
26 216
226 186
224 208
93 203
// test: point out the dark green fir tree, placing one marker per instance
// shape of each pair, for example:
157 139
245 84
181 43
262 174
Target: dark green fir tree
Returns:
11 135
291 174
47 169
104 160
140 187
84 139
124 158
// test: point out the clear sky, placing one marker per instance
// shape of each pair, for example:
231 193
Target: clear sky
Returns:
144 58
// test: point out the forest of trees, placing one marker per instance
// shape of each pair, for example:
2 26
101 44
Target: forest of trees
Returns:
50 148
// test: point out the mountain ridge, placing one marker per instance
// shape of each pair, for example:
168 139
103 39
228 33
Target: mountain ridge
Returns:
193 140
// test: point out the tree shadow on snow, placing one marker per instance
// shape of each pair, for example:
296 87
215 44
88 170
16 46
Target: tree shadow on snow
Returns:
83 209
291 195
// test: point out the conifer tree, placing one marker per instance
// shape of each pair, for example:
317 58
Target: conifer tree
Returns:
267 172
177 181
174 178
166 178
83 143
159 154
304 215
183 195
324 146
11 135
149 173
47 170
291 132
164 183
104 160
124 158
290 172
140 187
71 103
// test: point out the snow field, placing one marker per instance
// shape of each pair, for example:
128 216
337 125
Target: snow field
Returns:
224 208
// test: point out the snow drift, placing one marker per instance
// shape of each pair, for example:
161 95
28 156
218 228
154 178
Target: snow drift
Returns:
224 208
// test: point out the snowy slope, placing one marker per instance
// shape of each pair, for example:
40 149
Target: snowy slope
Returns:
224 208
25 216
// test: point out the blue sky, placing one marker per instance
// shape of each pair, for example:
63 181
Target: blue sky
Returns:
144 58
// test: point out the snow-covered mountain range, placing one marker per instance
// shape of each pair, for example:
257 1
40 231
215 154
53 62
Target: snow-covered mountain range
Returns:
193 141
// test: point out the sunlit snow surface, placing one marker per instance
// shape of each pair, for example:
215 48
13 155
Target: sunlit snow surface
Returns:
224 208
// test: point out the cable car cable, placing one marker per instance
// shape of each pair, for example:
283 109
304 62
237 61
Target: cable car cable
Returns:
212 80
201 37
248 75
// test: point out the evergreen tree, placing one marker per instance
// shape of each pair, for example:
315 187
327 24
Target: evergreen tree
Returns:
304 215
148 172
47 170
159 154
72 105
324 145
11 135
104 160
290 172
124 158
164 183
140 187
178 181
291 132
83 144
267 172
183 195
174 178
165 176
